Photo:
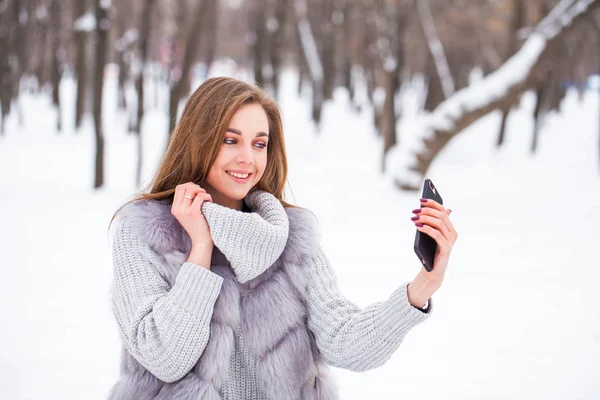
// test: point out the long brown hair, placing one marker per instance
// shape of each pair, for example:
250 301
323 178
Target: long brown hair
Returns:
197 138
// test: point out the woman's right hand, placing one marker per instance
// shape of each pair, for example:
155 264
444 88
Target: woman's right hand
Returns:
186 209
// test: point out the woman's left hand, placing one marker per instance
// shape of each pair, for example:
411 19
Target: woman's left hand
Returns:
433 219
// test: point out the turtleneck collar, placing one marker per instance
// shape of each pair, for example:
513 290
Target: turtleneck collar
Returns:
251 241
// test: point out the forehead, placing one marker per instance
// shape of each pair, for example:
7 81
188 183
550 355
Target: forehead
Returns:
250 117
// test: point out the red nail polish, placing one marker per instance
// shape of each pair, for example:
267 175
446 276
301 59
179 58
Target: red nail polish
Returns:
419 224
423 200
415 218
416 211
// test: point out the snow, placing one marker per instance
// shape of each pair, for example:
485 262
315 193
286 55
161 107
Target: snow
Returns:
86 23
515 317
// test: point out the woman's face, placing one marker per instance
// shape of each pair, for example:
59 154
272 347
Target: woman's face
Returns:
242 158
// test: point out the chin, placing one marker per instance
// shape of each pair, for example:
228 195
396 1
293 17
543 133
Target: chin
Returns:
238 193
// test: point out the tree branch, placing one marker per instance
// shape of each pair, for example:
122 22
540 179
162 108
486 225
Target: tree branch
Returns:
502 88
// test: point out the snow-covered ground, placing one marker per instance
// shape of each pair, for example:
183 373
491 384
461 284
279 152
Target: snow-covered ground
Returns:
515 319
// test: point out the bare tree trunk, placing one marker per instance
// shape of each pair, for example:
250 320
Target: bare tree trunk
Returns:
181 86
23 13
547 34
505 112
596 25
392 25
57 52
327 52
41 28
212 31
435 92
277 39
102 30
540 97
80 7
347 45
388 118
311 55
517 22
436 48
258 27
302 62
121 50
6 77
139 84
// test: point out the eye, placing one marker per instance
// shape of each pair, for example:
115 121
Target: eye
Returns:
229 141
261 145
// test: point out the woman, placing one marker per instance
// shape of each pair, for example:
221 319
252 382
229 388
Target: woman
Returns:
221 290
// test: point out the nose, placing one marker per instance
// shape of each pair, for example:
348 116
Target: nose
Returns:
244 155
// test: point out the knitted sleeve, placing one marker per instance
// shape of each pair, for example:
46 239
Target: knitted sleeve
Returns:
165 328
353 338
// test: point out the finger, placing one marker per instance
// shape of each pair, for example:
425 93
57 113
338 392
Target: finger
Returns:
434 234
431 203
189 196
436 223
178 196
199 200
443 215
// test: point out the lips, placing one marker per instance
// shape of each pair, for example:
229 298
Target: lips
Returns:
239 180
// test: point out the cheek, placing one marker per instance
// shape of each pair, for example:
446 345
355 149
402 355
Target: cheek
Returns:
261 162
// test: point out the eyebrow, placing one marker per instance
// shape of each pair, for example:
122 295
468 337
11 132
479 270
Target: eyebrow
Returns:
237 132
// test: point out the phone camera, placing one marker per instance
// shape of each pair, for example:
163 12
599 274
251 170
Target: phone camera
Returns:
432 187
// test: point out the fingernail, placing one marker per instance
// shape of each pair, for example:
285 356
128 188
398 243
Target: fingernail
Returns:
449 211
416 211
423 200
418 224
415 218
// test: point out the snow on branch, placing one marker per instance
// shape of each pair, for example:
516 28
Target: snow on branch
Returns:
500 88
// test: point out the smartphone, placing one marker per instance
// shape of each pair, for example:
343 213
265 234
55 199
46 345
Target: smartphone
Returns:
425 245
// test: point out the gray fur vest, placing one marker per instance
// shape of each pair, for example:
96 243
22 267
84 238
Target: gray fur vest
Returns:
270 308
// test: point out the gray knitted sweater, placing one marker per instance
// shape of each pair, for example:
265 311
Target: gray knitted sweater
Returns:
167 328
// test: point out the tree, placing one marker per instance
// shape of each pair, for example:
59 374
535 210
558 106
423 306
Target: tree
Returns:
57 57
102 30
139 83
501 88
257 22
310 56
84 23
181 85
391 21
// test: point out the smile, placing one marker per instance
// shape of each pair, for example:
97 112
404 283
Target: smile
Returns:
238 176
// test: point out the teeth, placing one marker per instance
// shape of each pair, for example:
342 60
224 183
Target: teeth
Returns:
242 176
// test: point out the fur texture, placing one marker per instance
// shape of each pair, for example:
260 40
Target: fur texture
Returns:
270 309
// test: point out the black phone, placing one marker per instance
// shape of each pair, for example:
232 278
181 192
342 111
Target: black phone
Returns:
425 245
